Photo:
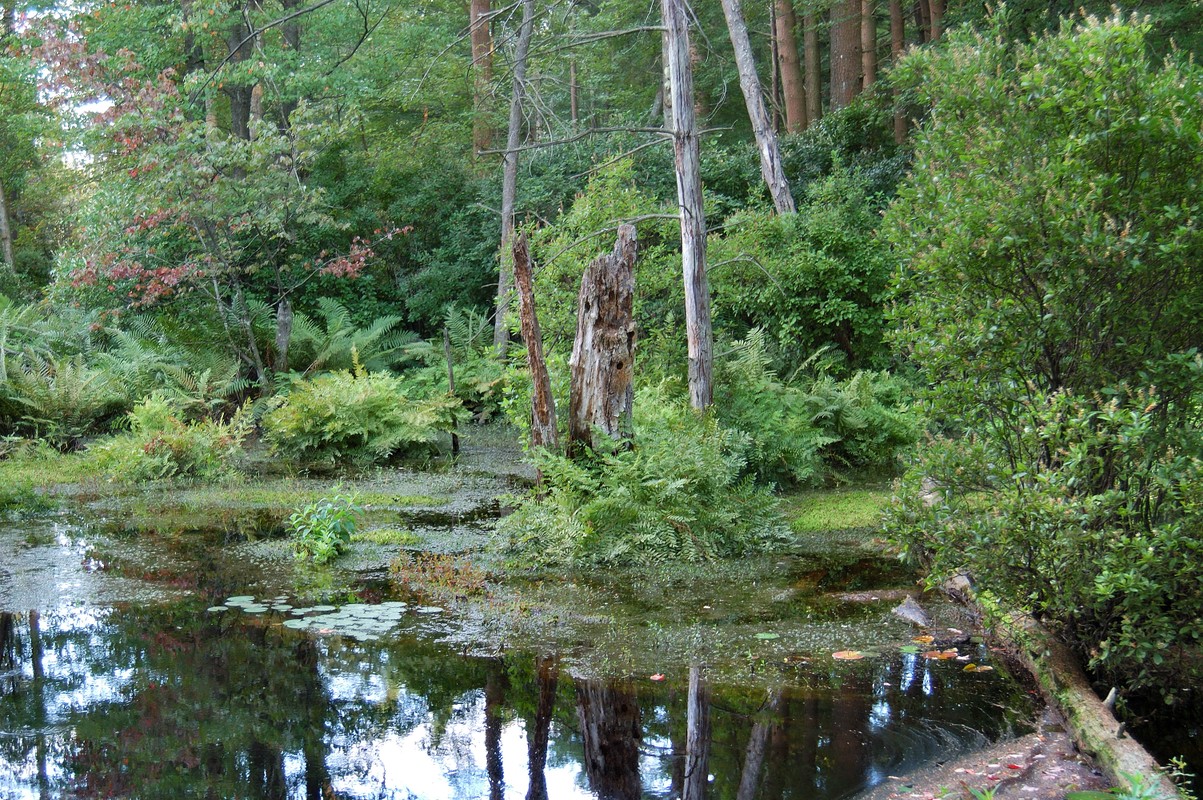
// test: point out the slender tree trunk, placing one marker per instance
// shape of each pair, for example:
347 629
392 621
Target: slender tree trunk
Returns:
698 332
448 356
814 73
868 43
6 231
897 45
793 89
603 388
845 52
749 778
697 737
573 101
923 20
509 179
494 698
543 405
291 31
771 167
610 733
482 73
283 333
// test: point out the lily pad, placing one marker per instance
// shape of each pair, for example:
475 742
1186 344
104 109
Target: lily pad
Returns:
240 600
767 636
296 623
429 610
254 609
908 648
215 609
848 655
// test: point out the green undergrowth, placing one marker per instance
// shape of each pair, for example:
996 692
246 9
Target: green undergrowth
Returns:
835 509
30 474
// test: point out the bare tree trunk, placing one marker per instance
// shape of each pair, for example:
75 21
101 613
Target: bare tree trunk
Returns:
897 45
482 72
868 43
698 332
936 12
509 179
494 699
697 737
450 359
792 86
6 231
610 733
771 168
923 20
510 176
573 101
603 389
814 74
845 52
283 333
543 405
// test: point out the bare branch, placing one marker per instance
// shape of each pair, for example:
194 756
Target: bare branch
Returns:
571 139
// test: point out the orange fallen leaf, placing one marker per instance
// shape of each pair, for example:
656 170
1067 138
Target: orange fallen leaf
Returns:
847 655
923 639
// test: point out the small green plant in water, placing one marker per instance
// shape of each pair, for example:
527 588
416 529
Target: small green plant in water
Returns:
323 529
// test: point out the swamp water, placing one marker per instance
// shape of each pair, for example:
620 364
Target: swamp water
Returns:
149 658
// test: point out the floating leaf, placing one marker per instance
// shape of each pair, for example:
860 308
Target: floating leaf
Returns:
215 609
923 639
908 648
848 655
970 668
766 635
984 669
942 655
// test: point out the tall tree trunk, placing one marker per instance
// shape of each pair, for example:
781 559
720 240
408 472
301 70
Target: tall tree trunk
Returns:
603 388
845 52
697 737
868 43
291 31
923 20
749 778
698 332
793 89
482 73
574 109
814 73
936 14
771 167
897 45
494 699
509 177
6 231
543 405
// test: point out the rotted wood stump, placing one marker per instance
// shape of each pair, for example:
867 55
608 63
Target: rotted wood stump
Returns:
603 390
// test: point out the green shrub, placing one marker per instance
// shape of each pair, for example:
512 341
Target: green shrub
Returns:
1103 541
362 418
677 495
159 445
60 400
480 377
323 529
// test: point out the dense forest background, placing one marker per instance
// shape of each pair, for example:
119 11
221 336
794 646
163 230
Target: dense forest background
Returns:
279 222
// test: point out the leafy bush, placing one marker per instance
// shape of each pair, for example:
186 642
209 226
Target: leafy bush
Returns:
359 417
480 377
60 400
323 529
675 496
160 445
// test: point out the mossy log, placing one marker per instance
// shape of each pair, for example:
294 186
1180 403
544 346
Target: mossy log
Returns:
1094 727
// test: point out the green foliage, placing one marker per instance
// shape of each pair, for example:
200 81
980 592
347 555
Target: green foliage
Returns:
1050 299
361 418
812 279
323 529
160 445
378 345
61 400
480 377
676 496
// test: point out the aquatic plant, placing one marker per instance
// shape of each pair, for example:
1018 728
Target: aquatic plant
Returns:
323 529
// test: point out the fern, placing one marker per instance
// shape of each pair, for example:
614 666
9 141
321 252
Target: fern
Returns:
328 346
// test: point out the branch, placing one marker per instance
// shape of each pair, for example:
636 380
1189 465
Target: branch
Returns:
571 139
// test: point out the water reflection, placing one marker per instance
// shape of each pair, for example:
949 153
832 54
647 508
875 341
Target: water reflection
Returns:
166 701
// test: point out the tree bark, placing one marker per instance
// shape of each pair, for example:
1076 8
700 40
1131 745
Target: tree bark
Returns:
868 43
814 74
543 405
749 778
936 13
698 332
540 733
482 73
771 167
509 179
793 88
283 333
697 737
6 231
845 52
897 46
603 389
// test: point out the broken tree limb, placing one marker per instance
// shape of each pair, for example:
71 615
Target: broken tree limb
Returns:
603 390
543 405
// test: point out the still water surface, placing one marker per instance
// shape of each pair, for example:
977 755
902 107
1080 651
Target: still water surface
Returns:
119 685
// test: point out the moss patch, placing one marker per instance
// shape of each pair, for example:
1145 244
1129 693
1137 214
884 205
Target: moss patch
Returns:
835 509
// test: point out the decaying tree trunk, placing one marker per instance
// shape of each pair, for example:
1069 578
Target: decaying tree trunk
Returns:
603 391
698 332
543 407
509 177
772 169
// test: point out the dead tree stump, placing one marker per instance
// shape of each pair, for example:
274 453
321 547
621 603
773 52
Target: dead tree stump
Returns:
603 390
543 406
